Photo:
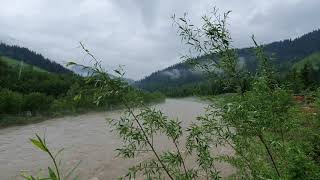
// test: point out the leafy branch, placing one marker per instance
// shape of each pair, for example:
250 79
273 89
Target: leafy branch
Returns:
55 174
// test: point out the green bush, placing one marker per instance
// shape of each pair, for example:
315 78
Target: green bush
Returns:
37 102
10 102
152 97
60 105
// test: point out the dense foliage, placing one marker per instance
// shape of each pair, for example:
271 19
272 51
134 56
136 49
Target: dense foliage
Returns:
28 80
305 75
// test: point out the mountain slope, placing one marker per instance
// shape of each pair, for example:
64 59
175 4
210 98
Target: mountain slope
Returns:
17 64
287 52
173 76
284 54
32 58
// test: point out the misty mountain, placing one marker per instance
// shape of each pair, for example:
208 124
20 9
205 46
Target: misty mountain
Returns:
77 69
283 54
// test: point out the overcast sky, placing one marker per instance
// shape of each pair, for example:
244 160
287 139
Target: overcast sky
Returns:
139 33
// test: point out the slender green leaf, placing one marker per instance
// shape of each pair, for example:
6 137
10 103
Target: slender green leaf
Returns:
38 144
52 174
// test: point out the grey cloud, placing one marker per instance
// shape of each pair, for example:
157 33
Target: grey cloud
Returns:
287 20
139 33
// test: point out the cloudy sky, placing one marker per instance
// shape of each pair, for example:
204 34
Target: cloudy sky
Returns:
139 33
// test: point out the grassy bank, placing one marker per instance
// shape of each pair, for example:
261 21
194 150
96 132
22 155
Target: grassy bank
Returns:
218 99
9 120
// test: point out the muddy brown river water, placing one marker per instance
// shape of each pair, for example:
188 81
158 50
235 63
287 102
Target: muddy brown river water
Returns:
87 138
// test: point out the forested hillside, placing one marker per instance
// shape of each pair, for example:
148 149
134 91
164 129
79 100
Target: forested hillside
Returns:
29 93
30 57
181 77
173 76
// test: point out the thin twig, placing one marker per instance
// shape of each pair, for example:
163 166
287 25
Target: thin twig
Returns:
178 150
269 153
55 163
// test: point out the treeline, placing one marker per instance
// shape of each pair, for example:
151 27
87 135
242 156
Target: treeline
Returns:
32 95
32 58
202 88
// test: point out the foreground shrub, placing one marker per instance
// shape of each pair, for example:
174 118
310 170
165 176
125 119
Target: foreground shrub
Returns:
55 172
61 105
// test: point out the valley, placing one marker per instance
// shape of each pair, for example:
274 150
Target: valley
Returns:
232 93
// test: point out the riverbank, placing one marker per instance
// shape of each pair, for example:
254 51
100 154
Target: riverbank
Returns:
20 120
218 99
9 120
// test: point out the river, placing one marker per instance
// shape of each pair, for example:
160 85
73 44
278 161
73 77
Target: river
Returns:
87 138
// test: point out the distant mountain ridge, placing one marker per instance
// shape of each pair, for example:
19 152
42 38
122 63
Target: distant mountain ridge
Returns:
284 54
30 57
78 69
